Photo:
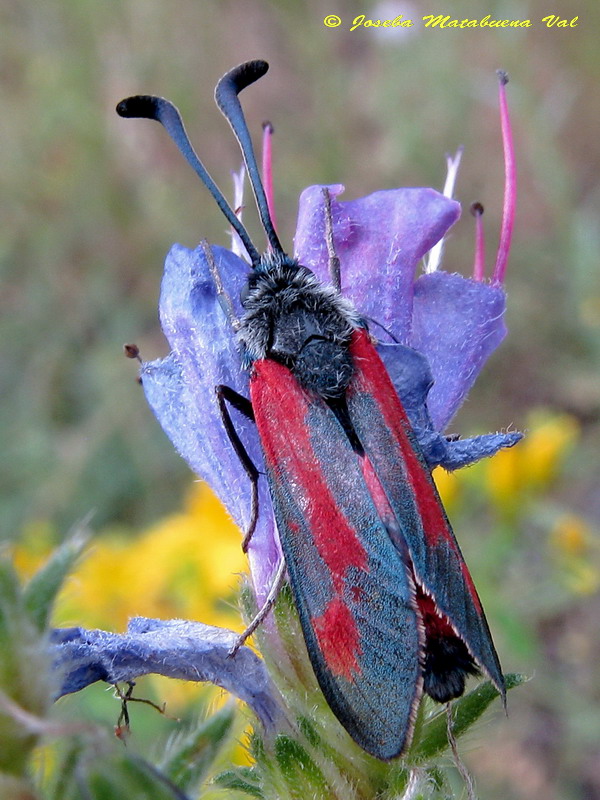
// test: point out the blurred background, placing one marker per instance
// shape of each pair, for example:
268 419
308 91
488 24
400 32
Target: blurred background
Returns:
90 204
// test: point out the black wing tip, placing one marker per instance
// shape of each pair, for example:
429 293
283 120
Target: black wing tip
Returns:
140 105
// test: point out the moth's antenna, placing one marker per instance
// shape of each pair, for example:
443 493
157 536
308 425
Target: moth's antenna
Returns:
166 113
226 95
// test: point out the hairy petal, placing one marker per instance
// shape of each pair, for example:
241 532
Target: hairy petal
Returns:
413 380
462 452
175 648
457 324
411 375
379 240
181 392
181 388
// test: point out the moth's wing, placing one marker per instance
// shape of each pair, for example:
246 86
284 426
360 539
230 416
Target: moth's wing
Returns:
352 590
391 446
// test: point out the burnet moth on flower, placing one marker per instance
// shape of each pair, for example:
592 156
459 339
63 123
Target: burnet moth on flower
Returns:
387 605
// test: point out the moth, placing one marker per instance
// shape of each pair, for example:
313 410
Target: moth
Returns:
387 606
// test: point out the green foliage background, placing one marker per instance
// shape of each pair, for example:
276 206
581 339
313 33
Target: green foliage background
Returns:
90 204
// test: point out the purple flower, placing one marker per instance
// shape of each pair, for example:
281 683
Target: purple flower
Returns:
175 648
455 322
435 331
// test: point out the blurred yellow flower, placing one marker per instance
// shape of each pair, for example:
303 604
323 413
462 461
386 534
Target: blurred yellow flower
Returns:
570 536
186 565
576 552
36 542
530 467
449 486
546 445
183 566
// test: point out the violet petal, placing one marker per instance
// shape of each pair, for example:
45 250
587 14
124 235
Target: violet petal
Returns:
463 452
440 452
197 434
457 324
179 649
204 355
379 240
181 392
411 375
412 378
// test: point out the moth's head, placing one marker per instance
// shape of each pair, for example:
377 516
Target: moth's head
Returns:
294 319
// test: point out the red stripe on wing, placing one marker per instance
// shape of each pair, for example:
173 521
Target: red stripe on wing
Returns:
290 456
376 490
371 373
338 639
353 592
280 409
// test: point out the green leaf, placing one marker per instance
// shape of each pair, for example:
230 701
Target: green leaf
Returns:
123 776
9 598
302 775
41 591
241 779
465 712
190 755
26 685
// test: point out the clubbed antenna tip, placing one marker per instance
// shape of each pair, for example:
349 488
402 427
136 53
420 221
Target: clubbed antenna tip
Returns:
226 96
163 111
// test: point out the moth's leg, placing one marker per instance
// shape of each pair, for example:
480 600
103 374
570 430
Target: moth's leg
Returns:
237 400
226 394
266 607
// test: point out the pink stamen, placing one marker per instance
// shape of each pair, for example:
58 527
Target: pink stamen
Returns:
510 184
479 263
267 169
